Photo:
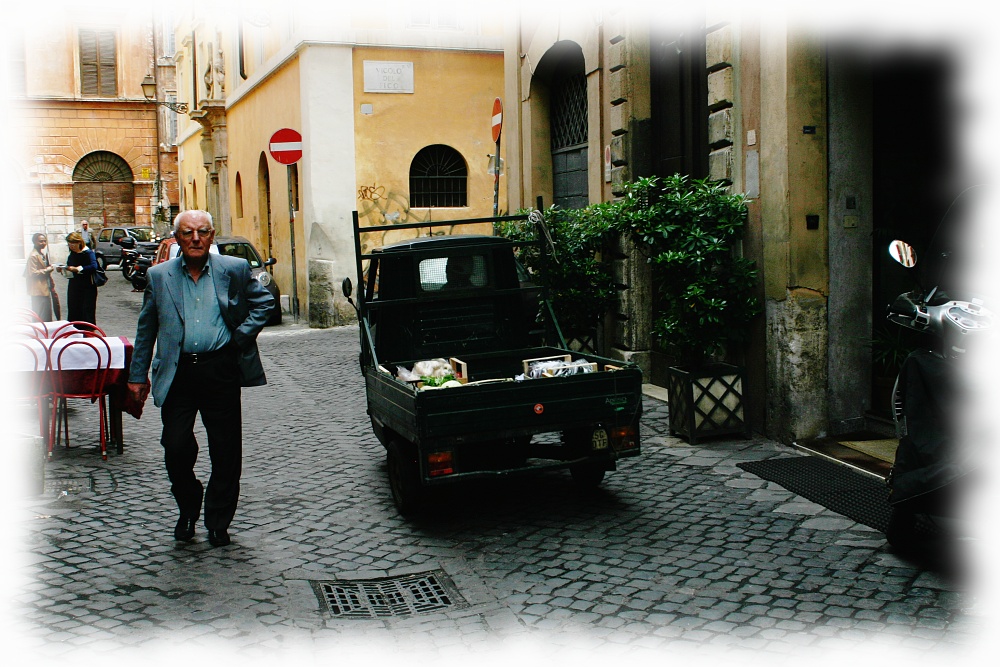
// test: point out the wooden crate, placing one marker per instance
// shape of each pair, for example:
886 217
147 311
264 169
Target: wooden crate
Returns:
550 372
559 357
460 368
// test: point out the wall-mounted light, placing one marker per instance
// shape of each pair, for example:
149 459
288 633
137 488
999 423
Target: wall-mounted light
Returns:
149 92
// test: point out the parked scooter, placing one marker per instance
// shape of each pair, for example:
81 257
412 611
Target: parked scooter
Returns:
139 279
129 256
933 465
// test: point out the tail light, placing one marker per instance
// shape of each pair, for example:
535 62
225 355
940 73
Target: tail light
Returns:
440 463
625 437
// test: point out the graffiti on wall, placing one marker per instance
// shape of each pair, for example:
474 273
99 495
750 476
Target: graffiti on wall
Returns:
378 208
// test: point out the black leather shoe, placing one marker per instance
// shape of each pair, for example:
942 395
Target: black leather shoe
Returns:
218 538
184 530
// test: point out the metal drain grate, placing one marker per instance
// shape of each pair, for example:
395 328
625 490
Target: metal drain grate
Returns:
391 596
68 485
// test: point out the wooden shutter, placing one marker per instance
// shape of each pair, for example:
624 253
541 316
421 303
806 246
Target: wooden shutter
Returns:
98 63
88 63
107 63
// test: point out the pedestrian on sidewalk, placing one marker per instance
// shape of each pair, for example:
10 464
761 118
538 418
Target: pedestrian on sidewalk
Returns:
81 295
38 275
203 311
88 236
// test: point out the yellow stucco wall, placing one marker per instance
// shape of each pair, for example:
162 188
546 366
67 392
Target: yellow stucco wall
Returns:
252 120
451 104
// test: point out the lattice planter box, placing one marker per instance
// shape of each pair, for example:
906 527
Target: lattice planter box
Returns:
706 402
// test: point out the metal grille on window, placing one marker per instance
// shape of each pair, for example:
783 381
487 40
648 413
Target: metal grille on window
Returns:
438 178
569 111
102 166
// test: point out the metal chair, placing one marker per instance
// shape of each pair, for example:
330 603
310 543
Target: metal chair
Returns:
26 315
76 327
78 385
36 389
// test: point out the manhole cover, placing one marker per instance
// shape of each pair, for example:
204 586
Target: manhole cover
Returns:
99 482
390 596
65 485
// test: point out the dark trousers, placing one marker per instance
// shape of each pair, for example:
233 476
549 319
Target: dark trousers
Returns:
212 388
81 300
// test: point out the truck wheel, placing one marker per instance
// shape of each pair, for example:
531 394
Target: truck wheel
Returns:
404 479
587 475
901 532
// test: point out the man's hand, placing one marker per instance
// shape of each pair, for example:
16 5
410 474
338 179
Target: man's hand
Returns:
138 391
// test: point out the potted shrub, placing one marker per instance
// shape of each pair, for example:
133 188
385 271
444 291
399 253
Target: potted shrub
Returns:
580 283
704 298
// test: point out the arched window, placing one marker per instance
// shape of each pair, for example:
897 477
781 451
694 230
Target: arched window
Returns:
438 178
239 195
102 166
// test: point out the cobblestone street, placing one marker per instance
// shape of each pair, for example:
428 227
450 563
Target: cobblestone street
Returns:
678 552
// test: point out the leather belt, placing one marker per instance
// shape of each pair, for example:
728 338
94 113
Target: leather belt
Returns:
203 357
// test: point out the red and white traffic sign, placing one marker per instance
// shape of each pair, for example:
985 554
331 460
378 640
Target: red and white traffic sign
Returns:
497 118
286 146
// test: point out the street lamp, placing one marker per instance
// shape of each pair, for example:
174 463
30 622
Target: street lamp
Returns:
149 92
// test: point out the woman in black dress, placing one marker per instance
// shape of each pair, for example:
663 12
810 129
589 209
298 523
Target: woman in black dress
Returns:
81 296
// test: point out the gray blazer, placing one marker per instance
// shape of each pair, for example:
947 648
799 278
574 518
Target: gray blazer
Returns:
245 305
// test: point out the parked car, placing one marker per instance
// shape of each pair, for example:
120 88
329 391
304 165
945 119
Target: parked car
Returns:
110 250
234 246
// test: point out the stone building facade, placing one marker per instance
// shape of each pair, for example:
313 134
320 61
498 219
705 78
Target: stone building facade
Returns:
87 144
324 72
803 123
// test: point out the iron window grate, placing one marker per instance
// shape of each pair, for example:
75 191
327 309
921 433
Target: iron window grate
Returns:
405 595
438 178
569 112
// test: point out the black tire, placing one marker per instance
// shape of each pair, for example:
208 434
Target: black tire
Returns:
587 475
128 270
103 263
404 478
901 531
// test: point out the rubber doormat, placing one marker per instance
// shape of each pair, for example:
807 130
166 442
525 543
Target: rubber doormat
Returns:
835 487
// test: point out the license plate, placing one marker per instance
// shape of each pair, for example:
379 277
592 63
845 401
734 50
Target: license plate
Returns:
599 439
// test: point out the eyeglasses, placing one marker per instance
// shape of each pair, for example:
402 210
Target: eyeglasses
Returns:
188 233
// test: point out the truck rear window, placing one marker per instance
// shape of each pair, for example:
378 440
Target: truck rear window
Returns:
459 271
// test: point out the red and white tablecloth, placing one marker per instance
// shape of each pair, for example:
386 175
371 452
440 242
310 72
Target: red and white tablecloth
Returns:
76 357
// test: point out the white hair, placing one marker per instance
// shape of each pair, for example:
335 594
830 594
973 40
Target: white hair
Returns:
177 220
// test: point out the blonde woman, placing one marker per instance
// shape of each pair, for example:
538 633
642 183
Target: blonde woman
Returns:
81 296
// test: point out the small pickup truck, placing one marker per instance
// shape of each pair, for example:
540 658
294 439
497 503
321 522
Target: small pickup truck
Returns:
467 374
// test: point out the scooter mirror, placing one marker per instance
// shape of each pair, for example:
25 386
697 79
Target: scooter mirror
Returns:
347 288
903 253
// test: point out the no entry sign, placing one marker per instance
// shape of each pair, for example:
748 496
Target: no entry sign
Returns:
497 118
286 146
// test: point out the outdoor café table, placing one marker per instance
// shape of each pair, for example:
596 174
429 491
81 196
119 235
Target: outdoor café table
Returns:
39 329
77 370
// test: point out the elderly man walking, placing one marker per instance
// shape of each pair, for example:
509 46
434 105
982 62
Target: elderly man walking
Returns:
203 311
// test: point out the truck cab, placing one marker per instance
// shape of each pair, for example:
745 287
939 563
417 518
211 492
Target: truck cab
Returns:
466 372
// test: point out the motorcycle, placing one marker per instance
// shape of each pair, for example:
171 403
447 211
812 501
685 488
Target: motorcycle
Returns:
139 279
933 464
130 255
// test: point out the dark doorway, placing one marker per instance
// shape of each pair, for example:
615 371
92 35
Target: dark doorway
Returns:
914 169
679 108
562 70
